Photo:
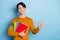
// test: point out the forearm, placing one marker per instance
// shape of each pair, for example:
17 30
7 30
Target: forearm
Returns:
10 33
35 31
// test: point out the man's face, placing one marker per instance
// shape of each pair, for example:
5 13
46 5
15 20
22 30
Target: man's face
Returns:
21 9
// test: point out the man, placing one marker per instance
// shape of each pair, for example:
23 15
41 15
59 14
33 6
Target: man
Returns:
25 20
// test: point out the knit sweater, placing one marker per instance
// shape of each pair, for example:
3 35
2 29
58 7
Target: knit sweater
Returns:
30 26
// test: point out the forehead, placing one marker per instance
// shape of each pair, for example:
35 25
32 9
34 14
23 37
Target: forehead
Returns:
20 6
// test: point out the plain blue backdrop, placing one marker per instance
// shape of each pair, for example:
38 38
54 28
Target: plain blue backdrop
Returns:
38 10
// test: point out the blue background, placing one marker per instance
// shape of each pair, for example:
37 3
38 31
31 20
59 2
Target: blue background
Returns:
38 10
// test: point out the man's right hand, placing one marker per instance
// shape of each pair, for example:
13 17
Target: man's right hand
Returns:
22 34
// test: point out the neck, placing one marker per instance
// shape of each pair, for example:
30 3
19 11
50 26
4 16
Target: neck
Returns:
22 16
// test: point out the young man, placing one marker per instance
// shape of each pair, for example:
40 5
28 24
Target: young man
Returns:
26 21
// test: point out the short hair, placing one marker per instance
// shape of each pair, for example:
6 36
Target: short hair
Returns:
21 3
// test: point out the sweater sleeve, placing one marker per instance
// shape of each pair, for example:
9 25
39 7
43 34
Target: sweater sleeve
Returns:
11 32
32 28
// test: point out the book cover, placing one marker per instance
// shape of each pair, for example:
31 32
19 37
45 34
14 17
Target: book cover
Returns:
19 27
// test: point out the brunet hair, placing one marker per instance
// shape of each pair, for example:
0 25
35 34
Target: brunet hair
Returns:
21 3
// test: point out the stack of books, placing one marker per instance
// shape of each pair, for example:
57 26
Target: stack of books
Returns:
19 27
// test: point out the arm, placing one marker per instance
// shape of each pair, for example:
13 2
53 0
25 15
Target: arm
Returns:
11 32
32 28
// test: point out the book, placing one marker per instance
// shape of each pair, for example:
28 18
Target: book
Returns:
19 27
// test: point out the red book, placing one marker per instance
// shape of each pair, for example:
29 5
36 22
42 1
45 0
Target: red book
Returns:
21 27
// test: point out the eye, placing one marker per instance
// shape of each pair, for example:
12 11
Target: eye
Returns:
19 8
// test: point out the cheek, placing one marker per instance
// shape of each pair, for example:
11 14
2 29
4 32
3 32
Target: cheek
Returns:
19 10
23 10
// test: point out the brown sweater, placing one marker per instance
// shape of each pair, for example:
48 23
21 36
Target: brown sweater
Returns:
28 21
